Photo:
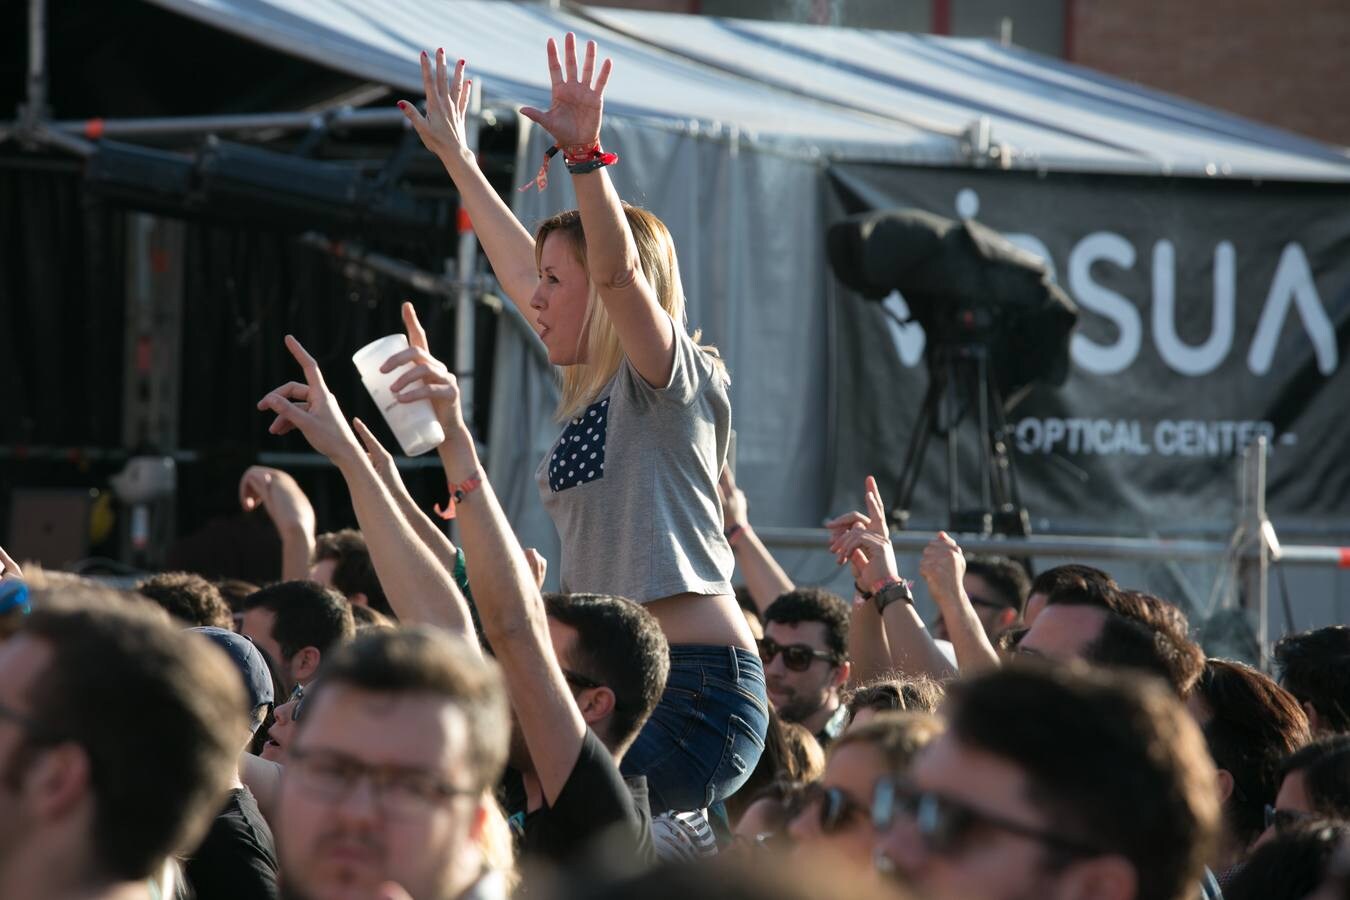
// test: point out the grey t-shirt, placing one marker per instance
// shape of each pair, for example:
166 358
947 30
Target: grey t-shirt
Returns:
631 484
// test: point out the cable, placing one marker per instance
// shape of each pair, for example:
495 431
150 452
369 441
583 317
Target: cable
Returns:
1284 599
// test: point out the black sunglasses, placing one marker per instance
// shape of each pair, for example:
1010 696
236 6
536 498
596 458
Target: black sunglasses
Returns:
945 823
797 657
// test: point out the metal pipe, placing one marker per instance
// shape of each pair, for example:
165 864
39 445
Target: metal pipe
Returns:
485 286
1144 549
43 134
35 109
1312 555
344 117
419 279
339 117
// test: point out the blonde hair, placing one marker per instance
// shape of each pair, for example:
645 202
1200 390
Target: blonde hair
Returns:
582 383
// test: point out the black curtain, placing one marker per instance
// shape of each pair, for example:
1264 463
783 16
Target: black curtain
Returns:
62 298
62 307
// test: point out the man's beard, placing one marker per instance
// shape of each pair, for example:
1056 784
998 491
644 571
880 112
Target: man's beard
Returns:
797 708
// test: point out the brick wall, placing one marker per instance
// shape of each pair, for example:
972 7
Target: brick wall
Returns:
1283 63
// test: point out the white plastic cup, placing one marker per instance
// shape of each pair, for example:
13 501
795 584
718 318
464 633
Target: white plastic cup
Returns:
414 424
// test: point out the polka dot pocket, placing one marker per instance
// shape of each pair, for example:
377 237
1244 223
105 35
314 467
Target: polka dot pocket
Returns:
579 456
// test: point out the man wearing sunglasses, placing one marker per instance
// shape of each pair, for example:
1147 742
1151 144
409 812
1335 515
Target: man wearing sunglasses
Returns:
805 655
1053 784
1314 783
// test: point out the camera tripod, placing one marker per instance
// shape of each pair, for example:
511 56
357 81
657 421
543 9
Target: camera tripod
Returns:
958 374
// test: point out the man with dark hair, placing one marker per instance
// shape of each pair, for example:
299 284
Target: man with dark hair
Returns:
390 773
1314 782
190 599
297 622
617 644
342 562
997 588
1315 667
806 665
1250 724
118 734
1061 581
1109 627
1054 782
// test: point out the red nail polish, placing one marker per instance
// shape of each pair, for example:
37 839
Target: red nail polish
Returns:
402 104
424 54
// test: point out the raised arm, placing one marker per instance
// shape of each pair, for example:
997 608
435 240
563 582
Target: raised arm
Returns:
764 578
419 588
645 332
509 603
864 540
867 646
291 514
509 247
943 568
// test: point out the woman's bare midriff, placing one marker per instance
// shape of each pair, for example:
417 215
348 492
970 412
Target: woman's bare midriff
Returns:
715 620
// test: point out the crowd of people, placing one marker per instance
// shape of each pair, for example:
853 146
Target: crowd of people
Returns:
395 715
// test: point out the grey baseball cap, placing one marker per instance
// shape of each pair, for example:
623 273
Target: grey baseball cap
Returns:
248 660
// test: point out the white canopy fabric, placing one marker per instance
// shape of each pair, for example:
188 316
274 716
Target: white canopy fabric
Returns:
725 129
845 93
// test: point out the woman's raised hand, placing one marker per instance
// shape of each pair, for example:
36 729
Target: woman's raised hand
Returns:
573 118
428 379
442 128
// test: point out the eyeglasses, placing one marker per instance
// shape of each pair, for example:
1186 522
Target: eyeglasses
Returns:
1283 819
945 823
298 698
400 791
977 600
835 808
797 657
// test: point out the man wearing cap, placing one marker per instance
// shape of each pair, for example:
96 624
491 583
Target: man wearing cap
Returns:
238 859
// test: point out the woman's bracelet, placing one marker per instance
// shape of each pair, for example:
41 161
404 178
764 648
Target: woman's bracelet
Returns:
457 493
732 533
585 159
580 160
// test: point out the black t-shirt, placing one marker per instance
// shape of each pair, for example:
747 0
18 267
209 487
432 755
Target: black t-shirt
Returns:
595 803
238 859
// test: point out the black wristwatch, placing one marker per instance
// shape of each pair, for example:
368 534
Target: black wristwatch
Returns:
896 590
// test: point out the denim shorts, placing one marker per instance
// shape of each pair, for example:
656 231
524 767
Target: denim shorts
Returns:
707 733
